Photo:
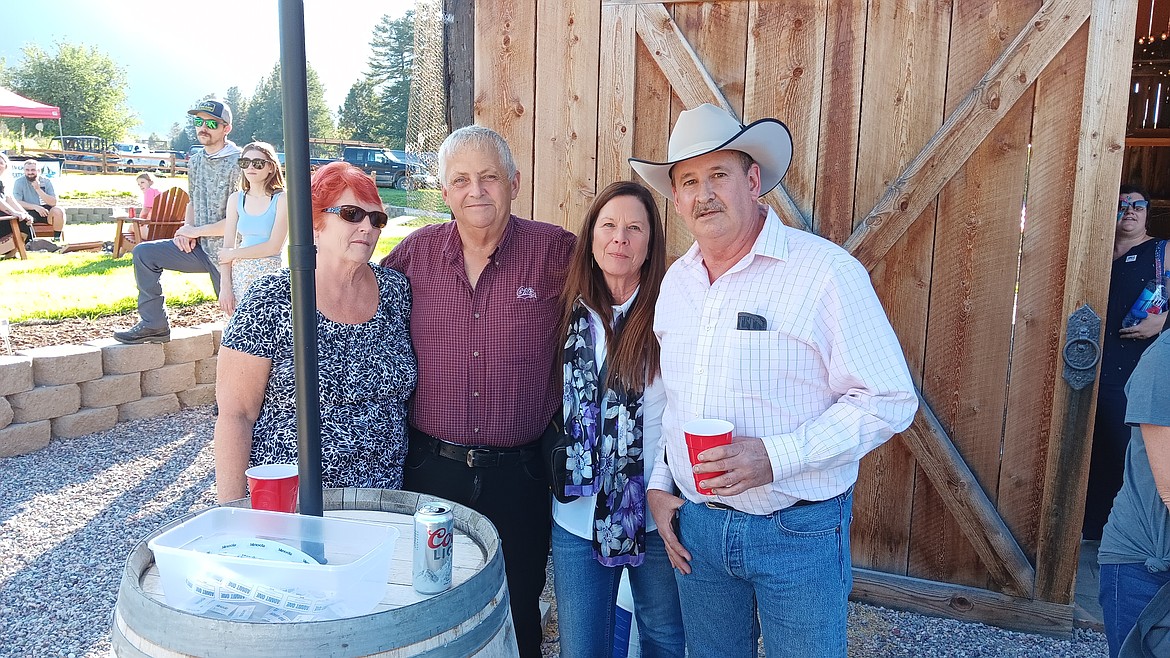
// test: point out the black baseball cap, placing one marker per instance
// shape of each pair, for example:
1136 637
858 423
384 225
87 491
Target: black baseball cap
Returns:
217 109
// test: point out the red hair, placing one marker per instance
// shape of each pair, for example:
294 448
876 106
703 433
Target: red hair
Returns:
332 180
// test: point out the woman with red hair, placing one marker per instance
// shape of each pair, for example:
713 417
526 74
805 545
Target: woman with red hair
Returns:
366 362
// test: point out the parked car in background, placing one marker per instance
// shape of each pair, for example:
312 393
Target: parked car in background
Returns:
423 168
87 151
134 157
388 170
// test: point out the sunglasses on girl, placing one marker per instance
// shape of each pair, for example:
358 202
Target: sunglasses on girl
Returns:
211 124
355 215
258 163
1140 204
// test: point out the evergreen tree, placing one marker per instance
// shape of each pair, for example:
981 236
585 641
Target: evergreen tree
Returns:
391 64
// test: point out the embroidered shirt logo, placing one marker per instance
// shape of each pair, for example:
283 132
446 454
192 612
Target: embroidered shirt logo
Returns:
1131 258
524 292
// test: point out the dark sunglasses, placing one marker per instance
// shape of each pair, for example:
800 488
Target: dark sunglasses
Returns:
258 163
355 215
1141 204
211 124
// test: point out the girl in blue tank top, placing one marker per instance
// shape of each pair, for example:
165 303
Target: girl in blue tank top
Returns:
256 226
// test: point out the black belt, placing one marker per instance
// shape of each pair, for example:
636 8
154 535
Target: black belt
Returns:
476 456
728 508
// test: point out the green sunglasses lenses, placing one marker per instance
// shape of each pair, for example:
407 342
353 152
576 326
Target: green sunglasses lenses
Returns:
211 124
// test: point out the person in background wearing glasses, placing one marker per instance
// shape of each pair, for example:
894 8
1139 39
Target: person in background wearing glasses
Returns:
211 178
487 288
366 363
257 225
1135 256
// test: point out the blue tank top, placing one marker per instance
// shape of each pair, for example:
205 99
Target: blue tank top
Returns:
252 230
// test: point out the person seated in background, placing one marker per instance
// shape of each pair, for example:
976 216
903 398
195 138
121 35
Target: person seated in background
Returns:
256 227
10 208
145 182
366 362
35 194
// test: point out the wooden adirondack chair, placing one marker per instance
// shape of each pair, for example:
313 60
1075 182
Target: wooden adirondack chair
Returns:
17 237
166 217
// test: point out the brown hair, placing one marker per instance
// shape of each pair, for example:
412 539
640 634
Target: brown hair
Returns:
633 355
275 180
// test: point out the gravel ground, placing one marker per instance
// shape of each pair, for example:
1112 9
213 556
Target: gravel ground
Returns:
70 514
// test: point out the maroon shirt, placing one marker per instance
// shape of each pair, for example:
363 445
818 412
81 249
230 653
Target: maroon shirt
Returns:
485 355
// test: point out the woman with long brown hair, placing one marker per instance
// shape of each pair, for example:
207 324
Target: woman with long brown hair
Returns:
256 225
613 404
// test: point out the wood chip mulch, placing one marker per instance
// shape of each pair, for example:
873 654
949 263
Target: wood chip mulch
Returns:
42 333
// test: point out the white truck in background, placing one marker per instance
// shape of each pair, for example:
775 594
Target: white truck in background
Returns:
137 157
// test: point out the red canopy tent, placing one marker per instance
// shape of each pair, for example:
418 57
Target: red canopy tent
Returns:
15 105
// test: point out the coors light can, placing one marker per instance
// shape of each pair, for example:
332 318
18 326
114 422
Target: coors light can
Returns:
433 537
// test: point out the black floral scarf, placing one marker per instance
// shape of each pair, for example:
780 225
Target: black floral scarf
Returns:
608 462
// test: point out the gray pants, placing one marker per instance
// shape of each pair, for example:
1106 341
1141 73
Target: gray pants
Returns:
150 259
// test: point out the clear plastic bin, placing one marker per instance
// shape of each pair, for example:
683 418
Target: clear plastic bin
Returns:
252 565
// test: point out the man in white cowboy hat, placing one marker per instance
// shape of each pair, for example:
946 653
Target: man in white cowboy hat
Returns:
779 332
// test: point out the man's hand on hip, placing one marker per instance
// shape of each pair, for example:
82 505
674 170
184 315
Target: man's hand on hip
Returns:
664 508
744 462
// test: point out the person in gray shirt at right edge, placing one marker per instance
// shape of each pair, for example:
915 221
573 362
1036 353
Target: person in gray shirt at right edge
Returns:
211 177
1135 545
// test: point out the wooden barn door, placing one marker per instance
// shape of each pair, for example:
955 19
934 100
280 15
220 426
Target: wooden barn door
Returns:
923 129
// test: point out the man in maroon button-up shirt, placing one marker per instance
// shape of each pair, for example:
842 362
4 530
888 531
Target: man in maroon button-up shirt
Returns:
486 293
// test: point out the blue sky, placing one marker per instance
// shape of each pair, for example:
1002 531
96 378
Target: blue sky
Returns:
170 61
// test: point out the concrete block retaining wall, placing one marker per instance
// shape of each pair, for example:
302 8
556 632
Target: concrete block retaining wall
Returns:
67 391
91 215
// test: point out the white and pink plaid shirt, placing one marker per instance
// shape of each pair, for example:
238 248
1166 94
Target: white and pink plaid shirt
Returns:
825 383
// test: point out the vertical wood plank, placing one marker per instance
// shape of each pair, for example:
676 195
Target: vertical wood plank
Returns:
1099 153
976 250
652 108
845 27
1036 363
505 81
459 61
565 148
717 31
902 107
718 34
783 80
615 95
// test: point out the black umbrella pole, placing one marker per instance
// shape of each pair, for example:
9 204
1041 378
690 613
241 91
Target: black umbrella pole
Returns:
301 252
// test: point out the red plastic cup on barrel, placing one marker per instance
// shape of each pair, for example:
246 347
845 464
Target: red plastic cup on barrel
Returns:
702 434
274 487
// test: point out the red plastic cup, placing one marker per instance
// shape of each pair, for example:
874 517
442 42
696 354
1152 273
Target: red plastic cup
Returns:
702 434
274 487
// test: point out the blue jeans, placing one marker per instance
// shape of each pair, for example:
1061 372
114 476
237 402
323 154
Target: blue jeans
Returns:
1125 591
586 595
793 565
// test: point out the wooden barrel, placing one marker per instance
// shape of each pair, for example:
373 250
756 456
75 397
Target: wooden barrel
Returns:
470 619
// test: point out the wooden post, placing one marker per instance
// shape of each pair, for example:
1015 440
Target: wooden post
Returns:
459 61
1098 175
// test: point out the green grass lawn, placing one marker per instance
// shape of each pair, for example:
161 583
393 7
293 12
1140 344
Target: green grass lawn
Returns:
88 285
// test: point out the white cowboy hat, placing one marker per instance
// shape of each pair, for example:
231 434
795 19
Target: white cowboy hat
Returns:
706 129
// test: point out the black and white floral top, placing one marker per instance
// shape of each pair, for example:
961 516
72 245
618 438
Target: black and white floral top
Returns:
367 372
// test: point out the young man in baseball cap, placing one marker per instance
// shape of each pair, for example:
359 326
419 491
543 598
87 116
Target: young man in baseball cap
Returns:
212 175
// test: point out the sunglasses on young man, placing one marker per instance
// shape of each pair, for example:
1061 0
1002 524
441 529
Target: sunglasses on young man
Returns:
258 163
211 124
355 215
1140 204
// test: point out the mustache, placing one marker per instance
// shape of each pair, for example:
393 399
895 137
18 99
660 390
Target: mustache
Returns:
703 208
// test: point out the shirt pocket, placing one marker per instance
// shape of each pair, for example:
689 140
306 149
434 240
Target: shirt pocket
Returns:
763 361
